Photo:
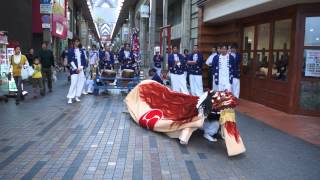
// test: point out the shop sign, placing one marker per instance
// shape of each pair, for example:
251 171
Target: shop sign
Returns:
144 11
45 7
70 35
312 68
3 37
45 19
59 26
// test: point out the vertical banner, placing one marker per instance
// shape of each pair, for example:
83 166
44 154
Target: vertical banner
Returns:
59 20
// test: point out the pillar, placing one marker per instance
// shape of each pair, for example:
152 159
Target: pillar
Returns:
142 41
165 23
186 25
131 21
152 30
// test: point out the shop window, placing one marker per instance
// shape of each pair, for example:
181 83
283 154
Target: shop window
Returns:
262 57
262 64
280 65
310 84
248 38
247 59
281 49
263 36
282 34
312 31
248 47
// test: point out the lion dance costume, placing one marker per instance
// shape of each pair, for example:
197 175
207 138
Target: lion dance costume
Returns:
157 108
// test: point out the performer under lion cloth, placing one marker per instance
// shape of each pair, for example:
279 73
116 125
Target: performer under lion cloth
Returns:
157 108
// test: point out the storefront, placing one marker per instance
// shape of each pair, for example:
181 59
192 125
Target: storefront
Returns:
280 50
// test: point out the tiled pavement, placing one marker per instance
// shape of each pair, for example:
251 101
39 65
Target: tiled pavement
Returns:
304 127
95 139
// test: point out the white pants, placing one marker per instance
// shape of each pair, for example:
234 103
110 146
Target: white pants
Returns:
211 128
88 86
179 83
222 86
77 82
236 87
158 71
196 85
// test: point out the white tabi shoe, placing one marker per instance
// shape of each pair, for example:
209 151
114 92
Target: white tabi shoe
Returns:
209 138
77 99
70 101
84 93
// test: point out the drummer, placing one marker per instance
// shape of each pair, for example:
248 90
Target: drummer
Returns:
126 58
107 59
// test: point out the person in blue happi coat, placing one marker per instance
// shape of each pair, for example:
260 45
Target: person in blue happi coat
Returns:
106 59
194 64
158 60
223 68
154 76
77 61
176 64
126 58
236 71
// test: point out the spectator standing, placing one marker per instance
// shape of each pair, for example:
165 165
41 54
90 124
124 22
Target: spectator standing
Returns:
195 62
47 61
37 82
18 61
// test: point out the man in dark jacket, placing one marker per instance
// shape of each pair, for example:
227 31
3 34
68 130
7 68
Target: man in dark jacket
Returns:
47 61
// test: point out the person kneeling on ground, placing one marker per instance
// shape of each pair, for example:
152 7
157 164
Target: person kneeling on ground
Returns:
154 76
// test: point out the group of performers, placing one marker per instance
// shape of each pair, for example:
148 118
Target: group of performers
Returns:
224 66
224 69
100 62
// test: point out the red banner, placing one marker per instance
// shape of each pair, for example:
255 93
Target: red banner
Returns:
59 26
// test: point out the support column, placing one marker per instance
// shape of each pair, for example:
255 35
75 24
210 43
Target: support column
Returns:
131 21
165 23
142 41
152 30
186 25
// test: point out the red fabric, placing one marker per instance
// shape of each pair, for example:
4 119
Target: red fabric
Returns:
150 118
175 106
232 130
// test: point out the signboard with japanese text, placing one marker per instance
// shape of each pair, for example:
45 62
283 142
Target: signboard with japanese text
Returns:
45 7
312 66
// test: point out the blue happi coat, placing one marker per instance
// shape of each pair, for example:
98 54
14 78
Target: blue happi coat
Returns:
237 60
105 64
174 68
72 58
126 63
195 69
157 60
215 68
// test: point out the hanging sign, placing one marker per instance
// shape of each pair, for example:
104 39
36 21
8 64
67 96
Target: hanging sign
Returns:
144 11
45 7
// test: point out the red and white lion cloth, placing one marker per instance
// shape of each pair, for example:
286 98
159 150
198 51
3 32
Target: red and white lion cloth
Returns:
157 108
